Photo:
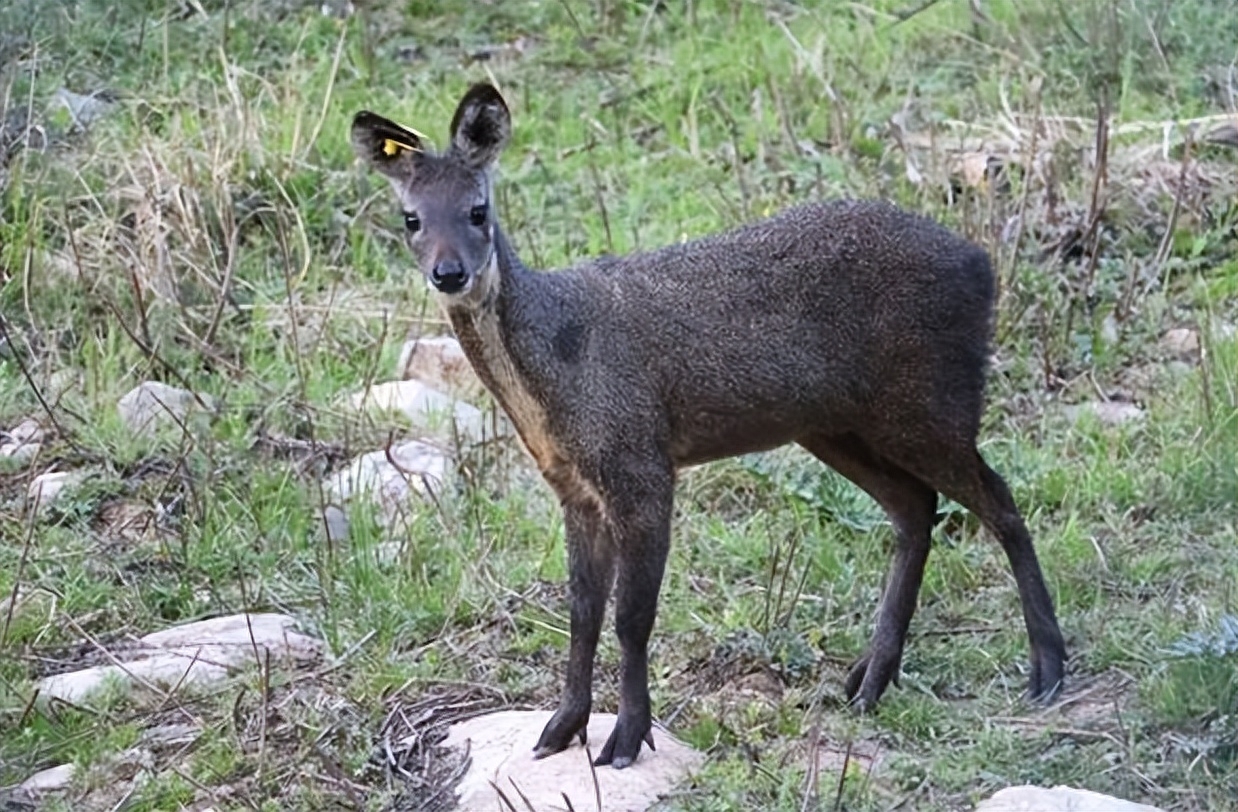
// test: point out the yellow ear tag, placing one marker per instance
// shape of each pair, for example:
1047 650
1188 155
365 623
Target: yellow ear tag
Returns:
391 147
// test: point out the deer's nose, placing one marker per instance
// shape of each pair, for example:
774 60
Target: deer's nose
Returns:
449 276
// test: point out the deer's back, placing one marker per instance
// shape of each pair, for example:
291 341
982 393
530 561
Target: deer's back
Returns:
836 312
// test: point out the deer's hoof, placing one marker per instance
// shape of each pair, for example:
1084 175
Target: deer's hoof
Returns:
868 679
1048 675
558 733
623 746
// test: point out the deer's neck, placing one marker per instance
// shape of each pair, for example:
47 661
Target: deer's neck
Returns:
504 338
511 315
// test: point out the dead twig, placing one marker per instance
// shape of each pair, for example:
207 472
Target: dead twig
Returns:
1025 193
842 777
21 568
904 14
1162 250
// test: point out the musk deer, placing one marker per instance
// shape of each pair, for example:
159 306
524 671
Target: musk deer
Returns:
855 329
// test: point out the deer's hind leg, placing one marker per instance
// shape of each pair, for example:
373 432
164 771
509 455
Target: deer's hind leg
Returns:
959 472
912 508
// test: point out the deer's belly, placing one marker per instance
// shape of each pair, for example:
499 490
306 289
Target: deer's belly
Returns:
706 437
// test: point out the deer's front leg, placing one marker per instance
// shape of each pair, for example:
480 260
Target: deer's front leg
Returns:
641 526
591 564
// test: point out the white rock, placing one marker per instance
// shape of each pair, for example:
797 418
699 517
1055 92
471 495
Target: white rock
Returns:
413 467
1116 412
427 408
501 748
161 670
151 405
22 452
440 362
27 431
22 441
1183 342
50 780
265 630
194 653
45 489
1058 799
1109 329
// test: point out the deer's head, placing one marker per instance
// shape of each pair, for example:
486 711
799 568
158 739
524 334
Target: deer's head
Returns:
449 218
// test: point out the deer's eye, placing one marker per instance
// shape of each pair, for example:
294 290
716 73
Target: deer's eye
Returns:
477 215
412 222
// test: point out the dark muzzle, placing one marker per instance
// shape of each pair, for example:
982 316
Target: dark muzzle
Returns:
449 276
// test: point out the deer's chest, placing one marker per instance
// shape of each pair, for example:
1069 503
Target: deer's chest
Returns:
483 344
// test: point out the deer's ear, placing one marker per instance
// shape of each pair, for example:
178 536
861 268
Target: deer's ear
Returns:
386 146
481 126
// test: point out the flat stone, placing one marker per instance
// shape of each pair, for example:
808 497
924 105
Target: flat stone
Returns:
414 467
1109 332
427 408
20 452
1182 342
152 405
335 523
45 489
190 654
269 630
440 362
501 748
161 670
51 780
1058 799
28 430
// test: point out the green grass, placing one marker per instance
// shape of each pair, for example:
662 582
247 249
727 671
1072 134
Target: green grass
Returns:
213 231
